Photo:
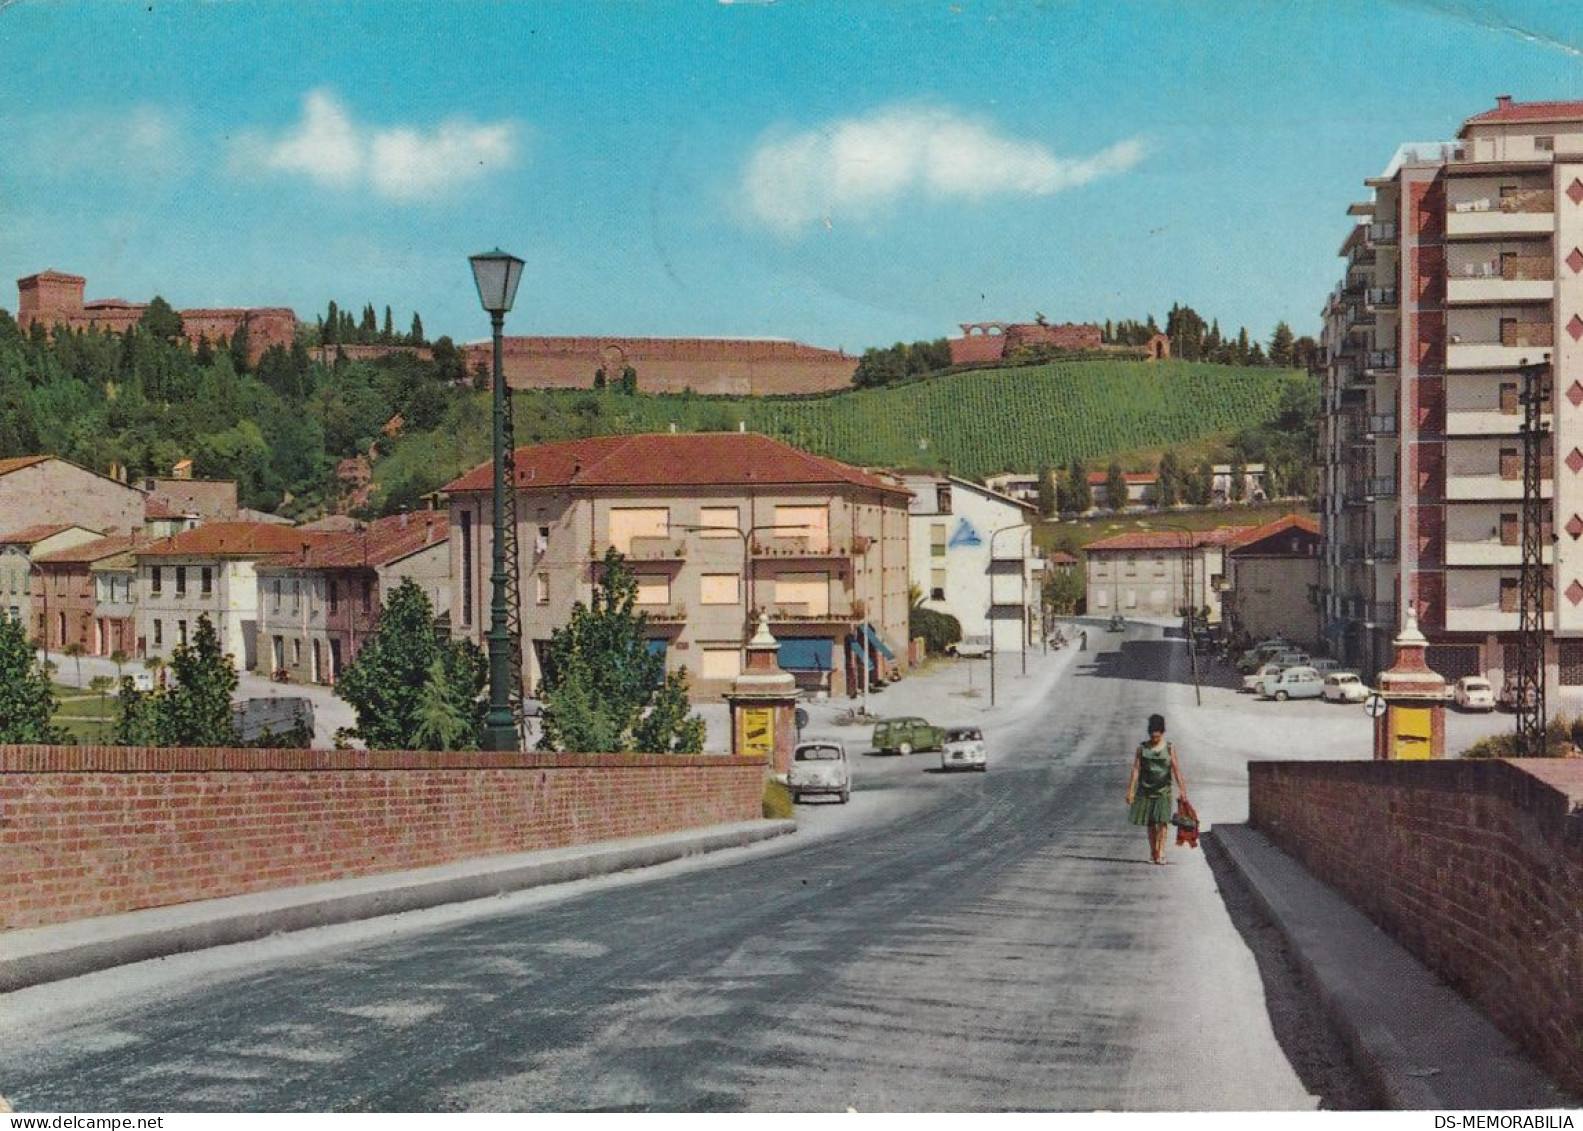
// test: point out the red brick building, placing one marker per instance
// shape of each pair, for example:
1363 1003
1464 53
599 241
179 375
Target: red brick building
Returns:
718 366
54 297
89 607
991 341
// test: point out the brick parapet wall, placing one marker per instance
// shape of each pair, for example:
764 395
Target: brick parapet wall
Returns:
87 831
1474 866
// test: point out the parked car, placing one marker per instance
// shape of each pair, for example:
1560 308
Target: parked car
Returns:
1262 653
820 768
1254 681
1344 687
1118 623
1295 683
970 647
1325 666
964 750
1473 693
1292 659
903 736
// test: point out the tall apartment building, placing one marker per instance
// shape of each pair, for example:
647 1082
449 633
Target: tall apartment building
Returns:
1465 263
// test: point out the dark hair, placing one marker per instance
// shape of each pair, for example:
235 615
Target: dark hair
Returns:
1156 724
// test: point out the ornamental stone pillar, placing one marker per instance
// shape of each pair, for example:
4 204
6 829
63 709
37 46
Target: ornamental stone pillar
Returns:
1414 723
763 704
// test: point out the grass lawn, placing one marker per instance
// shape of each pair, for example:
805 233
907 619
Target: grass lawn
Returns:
84 714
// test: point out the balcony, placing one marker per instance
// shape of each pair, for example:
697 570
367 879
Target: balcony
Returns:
1382 360
1381 552
1382 487
797 547
664 614
1381 426
1383 234
1488 423
1488 553
1519 343
653 549
1481 619
1466 488
1382 297
810 614
1525 212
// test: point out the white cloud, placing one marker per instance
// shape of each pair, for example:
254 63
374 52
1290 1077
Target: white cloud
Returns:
857 167
138 141
399 163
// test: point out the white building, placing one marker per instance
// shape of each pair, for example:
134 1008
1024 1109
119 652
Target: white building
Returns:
971 555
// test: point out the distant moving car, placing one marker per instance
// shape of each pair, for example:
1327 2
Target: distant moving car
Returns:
1344 687
903 736
1118 623
820 768
970 647
964 750
1473 693
1295 683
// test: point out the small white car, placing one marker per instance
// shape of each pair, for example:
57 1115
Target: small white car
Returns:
964 750
1255 681
970 647
1295 683
1473 693
1344 687
820 768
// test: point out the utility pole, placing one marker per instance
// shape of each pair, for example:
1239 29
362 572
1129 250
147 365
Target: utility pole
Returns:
1530 681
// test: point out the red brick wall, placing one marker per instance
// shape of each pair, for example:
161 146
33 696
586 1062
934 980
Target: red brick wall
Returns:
740 367
88 831
1474 866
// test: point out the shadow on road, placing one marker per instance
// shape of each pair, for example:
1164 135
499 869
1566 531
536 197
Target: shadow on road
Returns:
1107 859
1314 1049
1158 661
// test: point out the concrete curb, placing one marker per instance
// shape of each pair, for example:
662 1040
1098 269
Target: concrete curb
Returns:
36 955
1420 1044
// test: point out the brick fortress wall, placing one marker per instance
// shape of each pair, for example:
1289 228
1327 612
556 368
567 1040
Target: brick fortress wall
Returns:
53 297
712 366
990 341
1474 866
87 831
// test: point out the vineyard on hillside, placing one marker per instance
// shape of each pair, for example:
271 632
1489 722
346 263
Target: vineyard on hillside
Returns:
975 423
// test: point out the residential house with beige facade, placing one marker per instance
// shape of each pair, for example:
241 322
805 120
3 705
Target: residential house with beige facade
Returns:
26 594
1153 573
1272 581
714 525
46 490
1463 263
318 606
208 570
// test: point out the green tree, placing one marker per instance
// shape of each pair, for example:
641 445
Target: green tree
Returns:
388 685
416 336
600 379
1237 487
1064 591
1282 346
1168 484
27 702
1079 494
1115 487
196 711
601 683
1047 494
241 349
76 651
160 321
1199 487
629 381
101 685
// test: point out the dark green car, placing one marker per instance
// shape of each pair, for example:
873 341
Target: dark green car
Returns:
903 736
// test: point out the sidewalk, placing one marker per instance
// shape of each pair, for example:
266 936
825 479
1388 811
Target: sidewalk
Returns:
1413 1037
34 955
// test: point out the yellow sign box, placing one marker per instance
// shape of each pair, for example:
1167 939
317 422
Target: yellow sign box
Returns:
758 732
1410 737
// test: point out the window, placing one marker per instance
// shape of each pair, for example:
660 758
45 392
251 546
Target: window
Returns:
368 594
937 539
1545 143
1571 658
1131 599
627 523
1508 395
154 586
467 567
719 589
296 650
722 521
1511 529
181 581
1511 594
206 581
159 632
335 596
542 588
942 498
803 594
720 661
1132 565
1101 599
813 521
1159 564
1511 463
541 544
274 594
181 633
653 589
937 585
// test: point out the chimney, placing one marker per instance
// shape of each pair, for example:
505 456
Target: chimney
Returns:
1503 101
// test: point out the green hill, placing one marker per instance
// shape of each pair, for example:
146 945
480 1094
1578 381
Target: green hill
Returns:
975 423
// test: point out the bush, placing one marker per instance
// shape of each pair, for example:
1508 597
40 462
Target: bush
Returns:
939 630
778 800
1561 741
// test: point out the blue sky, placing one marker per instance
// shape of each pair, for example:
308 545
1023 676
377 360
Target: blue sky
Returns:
845 174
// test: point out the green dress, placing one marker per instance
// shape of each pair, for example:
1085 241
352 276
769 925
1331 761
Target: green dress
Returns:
1151 804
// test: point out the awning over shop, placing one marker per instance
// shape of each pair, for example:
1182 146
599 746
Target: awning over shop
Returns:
805 655
868 630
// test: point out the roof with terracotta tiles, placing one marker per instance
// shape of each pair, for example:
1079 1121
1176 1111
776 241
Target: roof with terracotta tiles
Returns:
17 463
1166 539
32 535
668 459
158 509
380 543
1279 526
1528 112
230 540
94 551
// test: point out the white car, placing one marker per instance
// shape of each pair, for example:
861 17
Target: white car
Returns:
1473 693
820 768
964 750
1295 683
1343 687
970 647
1255 681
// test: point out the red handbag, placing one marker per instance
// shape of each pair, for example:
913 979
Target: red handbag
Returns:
1186 822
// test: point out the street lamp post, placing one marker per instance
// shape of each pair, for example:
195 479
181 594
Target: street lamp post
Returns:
1188 571
1022 612
497 275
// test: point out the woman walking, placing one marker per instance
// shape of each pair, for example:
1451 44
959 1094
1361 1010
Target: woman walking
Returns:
1149 789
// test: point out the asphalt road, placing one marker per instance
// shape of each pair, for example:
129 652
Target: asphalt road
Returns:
972 942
